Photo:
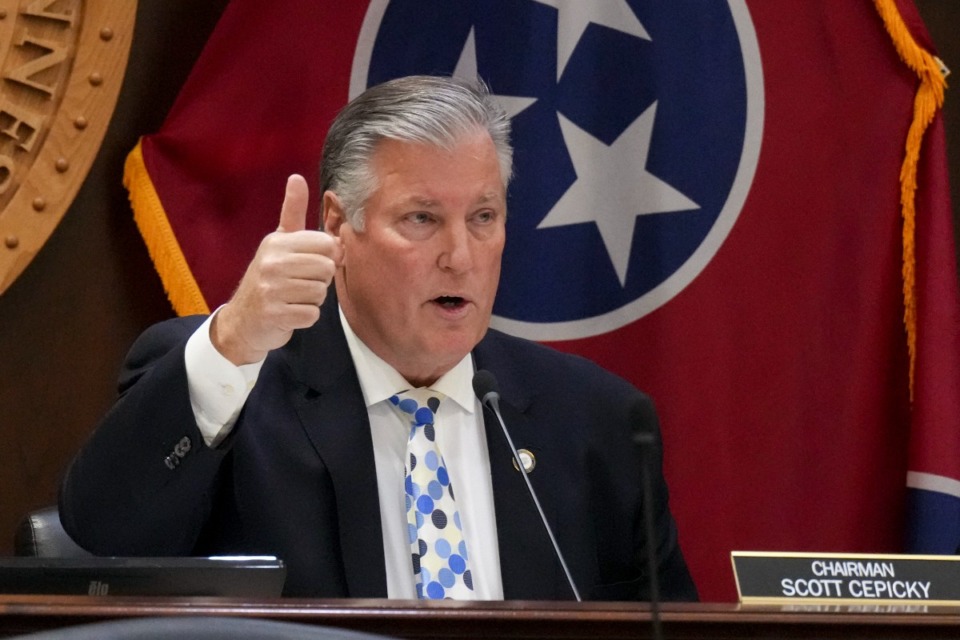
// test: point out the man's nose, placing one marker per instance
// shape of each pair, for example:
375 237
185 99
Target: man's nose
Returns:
456 253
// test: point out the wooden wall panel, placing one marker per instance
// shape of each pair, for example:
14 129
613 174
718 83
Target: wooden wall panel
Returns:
942 18
67 322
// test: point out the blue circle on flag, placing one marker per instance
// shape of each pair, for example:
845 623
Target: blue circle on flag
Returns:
636 129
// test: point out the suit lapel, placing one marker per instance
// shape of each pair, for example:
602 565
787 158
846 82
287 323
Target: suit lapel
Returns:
330 406
528 567
331 409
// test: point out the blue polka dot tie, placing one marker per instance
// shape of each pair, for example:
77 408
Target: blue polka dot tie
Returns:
437 547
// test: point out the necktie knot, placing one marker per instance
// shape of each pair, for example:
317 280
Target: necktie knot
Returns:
421 396
419 406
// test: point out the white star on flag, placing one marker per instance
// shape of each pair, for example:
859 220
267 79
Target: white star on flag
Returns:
573 17
467 69
613 187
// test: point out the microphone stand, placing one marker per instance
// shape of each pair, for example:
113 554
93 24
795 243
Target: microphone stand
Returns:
646 441
533 494
484 385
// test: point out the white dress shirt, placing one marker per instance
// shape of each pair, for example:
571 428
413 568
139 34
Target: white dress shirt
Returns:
218 390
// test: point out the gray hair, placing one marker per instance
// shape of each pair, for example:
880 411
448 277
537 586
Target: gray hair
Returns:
432 110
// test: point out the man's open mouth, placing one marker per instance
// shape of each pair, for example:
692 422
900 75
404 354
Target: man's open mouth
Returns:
449 302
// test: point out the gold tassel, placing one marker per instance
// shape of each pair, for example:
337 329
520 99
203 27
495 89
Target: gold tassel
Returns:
162 245
929 98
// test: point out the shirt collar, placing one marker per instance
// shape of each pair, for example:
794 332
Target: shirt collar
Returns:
379 381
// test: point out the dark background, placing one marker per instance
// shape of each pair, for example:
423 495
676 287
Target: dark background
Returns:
68 320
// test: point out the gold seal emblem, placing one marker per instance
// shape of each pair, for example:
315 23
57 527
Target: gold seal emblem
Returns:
61 66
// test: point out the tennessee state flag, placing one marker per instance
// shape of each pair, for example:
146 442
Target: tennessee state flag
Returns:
707 201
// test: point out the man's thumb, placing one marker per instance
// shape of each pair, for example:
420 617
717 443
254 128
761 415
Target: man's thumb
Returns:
293 213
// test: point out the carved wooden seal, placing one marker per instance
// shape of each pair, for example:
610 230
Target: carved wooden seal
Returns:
61 66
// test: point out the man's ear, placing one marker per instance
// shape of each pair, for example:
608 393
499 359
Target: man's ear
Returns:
333 214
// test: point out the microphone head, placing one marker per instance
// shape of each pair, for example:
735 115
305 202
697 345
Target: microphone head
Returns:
485 386
643 423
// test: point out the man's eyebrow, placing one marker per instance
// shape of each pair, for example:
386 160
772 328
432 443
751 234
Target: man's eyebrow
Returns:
429 203
492 196
418 201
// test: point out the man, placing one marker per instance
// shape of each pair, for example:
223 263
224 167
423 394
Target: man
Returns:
276 426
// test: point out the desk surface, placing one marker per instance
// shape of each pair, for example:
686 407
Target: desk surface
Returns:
516 619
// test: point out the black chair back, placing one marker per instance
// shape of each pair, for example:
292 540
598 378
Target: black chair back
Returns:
40 534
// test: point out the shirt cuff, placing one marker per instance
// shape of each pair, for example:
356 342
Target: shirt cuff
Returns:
218 388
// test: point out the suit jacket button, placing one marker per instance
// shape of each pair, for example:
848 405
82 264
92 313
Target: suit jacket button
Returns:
182 448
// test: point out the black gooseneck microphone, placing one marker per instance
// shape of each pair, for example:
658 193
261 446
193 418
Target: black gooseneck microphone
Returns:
647 441
486 388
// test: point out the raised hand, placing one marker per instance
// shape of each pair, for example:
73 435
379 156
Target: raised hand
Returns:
283 286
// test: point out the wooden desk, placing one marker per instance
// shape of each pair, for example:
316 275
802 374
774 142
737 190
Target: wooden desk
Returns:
492 620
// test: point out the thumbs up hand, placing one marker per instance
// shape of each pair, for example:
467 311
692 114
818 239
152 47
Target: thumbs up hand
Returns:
283 287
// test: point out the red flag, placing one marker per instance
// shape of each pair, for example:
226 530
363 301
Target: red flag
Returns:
707 202
206 187
934 467
933 479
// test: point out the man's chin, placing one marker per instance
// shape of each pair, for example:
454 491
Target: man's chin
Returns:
460 341
450 351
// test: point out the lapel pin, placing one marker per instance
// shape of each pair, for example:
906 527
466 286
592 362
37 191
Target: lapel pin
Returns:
527 459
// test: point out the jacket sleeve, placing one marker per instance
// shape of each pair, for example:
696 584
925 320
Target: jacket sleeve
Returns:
144 482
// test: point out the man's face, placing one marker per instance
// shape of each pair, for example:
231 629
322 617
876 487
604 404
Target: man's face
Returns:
417 283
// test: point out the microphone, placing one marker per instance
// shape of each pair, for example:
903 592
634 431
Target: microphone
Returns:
486 389
647 440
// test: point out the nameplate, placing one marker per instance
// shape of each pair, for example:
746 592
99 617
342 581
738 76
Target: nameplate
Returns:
785 578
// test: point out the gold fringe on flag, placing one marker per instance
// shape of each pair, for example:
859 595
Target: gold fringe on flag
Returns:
168 260
929 98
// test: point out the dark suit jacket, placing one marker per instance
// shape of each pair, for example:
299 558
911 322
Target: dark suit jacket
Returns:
297 479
